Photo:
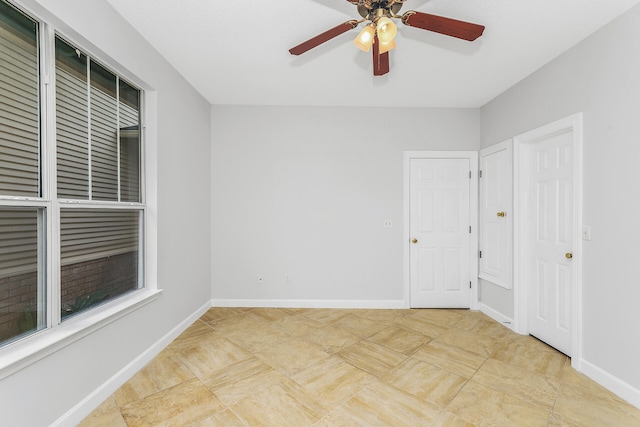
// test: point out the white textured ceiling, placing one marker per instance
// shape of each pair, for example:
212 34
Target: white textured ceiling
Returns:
236 52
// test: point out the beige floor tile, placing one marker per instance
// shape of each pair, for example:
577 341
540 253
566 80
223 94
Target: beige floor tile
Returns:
225 418
292 356
329 339
446 318
417 323
212 356
333 380
584 407
528 341
193 336
400 339
447 419
254 367
185 404
238 324
275 406
106 415
425 381
216 314
326 315
573 377
297 326
358 325
271 314
516 381
482 345
255 341
241 380
528 355
163 372
372 358
484 406
337 418
480 323
380 404
452 359
387 317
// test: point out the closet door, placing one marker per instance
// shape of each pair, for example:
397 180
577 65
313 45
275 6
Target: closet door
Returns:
496 219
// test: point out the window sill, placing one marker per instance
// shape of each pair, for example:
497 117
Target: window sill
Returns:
29 350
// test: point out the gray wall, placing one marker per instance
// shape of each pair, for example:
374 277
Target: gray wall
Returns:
601 78
305 191
41 393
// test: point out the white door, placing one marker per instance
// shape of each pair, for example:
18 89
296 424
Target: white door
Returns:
439 232
549 259
496 214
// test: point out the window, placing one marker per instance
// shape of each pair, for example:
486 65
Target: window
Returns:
72 207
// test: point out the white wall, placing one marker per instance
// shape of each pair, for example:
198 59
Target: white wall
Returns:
304 191
41 393
599 77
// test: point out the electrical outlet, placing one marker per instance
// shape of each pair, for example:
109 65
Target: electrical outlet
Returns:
287 279
260 279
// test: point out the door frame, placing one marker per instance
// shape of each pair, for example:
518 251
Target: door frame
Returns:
521 179
472 156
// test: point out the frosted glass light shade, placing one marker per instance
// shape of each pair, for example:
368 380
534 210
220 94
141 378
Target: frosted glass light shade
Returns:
386 47
386 29
365 38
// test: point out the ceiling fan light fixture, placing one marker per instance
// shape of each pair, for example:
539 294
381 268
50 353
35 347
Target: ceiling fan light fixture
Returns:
386 47
365 38
386 29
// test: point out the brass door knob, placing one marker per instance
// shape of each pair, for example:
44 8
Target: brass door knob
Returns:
569 255
414 240
501 214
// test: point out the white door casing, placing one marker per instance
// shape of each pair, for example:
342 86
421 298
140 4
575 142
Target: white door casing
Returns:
548 220
496 214
441 205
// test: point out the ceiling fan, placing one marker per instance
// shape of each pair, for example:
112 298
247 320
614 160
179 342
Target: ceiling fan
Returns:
378 35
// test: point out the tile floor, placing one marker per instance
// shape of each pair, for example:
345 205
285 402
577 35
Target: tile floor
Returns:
327 367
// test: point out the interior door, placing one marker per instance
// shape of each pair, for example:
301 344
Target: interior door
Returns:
496 214
440 233
551 238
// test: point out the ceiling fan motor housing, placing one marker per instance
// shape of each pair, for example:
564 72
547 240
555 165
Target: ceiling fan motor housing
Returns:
370 9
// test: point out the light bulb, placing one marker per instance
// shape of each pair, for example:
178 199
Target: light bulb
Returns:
386 47
386 29
365 38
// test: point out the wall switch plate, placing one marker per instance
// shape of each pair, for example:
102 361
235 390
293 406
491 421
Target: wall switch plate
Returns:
586 233
388 223
260 279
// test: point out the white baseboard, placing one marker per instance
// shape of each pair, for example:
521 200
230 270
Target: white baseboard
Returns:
76 414
287 303
612 383
496 315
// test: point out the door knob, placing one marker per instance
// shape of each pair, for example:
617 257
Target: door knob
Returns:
414 240
569 255
500 214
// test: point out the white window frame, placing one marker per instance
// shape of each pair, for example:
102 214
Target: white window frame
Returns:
18 354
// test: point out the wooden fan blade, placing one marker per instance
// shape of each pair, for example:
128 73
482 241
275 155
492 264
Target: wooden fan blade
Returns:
442 25
324 37
380 60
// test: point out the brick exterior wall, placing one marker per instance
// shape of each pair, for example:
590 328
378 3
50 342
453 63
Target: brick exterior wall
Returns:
110 276
17 293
